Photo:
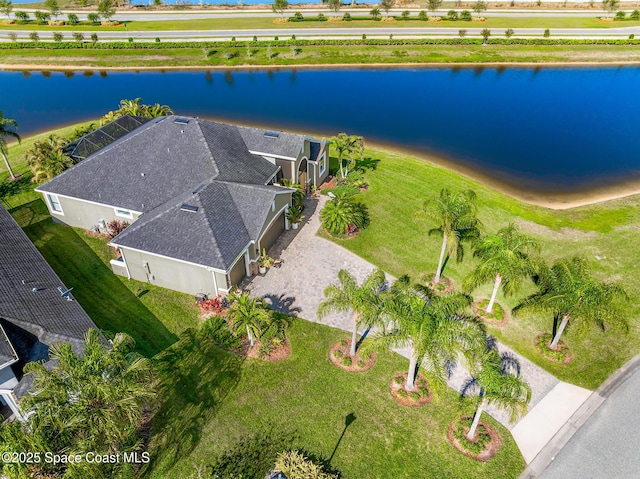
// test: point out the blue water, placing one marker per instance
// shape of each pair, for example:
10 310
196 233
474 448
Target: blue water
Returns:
538 129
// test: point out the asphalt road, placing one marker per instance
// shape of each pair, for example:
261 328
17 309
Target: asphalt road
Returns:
606 446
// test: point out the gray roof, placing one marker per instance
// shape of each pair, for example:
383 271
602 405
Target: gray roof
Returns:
315 147
7 354
44 311
229 215
159 161
266 141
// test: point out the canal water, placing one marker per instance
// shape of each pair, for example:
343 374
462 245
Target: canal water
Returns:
560 130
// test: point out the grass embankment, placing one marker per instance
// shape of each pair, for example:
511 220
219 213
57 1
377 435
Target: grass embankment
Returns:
244 23
213 399
316 55
605 234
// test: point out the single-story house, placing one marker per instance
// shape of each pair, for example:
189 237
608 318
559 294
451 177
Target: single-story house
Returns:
203 198
35 312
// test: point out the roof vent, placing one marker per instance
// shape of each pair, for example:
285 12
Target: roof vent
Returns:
189 208
199 188
271 134
181 120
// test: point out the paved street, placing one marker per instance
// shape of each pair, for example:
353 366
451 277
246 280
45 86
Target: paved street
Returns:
311 263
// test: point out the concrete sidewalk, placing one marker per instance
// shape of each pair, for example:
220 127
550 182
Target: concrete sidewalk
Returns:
311 263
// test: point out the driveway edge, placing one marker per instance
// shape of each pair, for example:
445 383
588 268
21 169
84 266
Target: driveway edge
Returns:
584 412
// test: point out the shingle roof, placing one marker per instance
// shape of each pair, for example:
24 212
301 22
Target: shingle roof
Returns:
44 312
229 215
284 144
160 160
7 354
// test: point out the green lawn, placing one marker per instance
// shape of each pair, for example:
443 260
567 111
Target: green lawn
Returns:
608 231
205 24
214 400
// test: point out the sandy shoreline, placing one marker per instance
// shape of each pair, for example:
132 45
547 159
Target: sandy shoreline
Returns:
547 199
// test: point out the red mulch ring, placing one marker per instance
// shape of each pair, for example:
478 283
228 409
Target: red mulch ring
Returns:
357 365
547 352
277 354
419 383
489 451
17 176
444 286
343 237
478 311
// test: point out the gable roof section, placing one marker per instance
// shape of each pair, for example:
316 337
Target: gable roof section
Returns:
285 144
229 216
44 312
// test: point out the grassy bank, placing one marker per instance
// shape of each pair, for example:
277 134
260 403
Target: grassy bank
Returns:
317 55
204 24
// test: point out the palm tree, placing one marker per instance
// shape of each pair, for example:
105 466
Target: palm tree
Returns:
345 146
47 159
496 383
432 325
91 402
131 107
156 110
569 291
505 260
250 314
456 218
363 300
342 213
7 125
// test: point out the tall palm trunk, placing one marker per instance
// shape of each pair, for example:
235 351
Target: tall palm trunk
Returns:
496 286
411 375
441 260
340 163
563 324
250 335
476 420
6 162
354 335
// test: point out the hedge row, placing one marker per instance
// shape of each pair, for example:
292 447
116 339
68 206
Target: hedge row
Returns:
319 42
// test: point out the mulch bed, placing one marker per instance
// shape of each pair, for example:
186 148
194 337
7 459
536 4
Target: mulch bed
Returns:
479 310
552 354
489 451
342 237
444 286
420 382
327 185
277 354
357 365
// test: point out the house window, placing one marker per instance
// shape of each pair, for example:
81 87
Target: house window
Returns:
124 213
323 163
54 203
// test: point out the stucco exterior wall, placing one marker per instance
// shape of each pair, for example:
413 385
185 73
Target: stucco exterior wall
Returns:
171 274
81 214
281 202
321 177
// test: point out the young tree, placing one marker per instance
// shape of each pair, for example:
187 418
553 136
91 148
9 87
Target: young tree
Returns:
35 37
250 314
279 6
345 147
335 5
432 325
7 130
21 16
57 36
434 5
53 7
78 37
363 300
495 383
505 259
455 217
568 291
47 159
42 17
73 19
508 33
387 5
610 5
479 7
94 38
6 7
486 33
86 402
106 9
93 17
375 13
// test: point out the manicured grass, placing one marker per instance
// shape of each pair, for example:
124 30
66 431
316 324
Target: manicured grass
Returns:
204 24
605 234
320 55
214 399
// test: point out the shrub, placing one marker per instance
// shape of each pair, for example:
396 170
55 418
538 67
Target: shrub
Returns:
338 354
423 391
474 447
465 15
294 465
546 33
342 216
94 38
405 15
233 39
72 18
55 23
360 363
398 380
42 17
57 36
34 36
275 38
346 361
157 40
255 39
217 329
298 16
13 36
364 36
130 39
620 16
632 36
635 15
94 18
401 393
508 32
452 15
422 15
321 17
213 305
21 17
485 33
115 227
414 396
462 33
343 343
293 37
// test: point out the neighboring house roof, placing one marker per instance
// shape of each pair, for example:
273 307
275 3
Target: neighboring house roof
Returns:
160 160
277 143
229 216
33 320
